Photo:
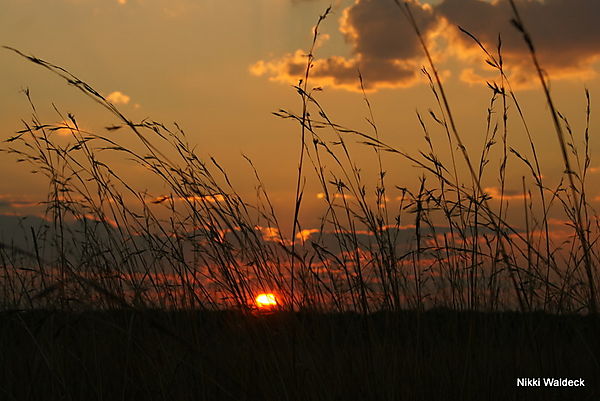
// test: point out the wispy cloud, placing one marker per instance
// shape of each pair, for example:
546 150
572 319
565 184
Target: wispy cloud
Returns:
496 193
196 198
12 202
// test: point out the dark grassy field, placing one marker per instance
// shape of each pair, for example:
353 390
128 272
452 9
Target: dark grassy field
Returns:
157 355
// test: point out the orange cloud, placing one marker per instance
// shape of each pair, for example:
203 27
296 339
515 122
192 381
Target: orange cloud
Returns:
564 53
495 193
269 233
272 234
304 235
383 48
118 97
386 50
321 195
65 128
206 198
97 219
10 202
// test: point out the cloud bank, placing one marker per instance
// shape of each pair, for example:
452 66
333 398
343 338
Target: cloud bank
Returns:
386 50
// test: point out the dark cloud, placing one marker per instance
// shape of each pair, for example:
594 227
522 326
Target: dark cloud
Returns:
565 32
385 48
377 29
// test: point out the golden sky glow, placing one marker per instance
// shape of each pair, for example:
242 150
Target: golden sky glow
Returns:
219 68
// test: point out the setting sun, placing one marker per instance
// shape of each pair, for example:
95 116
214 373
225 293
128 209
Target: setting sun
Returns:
266 301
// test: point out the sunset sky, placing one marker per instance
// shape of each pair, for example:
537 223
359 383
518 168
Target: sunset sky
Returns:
220 68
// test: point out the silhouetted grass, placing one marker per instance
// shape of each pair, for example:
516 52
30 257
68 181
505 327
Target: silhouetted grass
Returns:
125 295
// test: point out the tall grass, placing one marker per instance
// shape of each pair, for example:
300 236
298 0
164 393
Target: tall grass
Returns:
122 294
108 243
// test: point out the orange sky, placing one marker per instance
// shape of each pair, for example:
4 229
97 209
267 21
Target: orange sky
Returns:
219 68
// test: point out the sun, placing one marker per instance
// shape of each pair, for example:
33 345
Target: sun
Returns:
266 301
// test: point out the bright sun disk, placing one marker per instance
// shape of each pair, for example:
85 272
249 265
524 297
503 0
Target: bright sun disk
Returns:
266 300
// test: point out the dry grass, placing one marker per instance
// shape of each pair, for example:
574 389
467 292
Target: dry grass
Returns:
209 246
149 261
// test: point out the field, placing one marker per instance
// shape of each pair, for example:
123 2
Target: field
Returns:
191 355
119 294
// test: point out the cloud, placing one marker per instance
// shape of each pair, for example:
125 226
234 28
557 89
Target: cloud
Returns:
495 193
336 195
565 34
304 235
383 48
271 234
11 202
118 98
386 50
216 198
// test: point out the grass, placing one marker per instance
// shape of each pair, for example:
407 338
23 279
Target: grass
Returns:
441 297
